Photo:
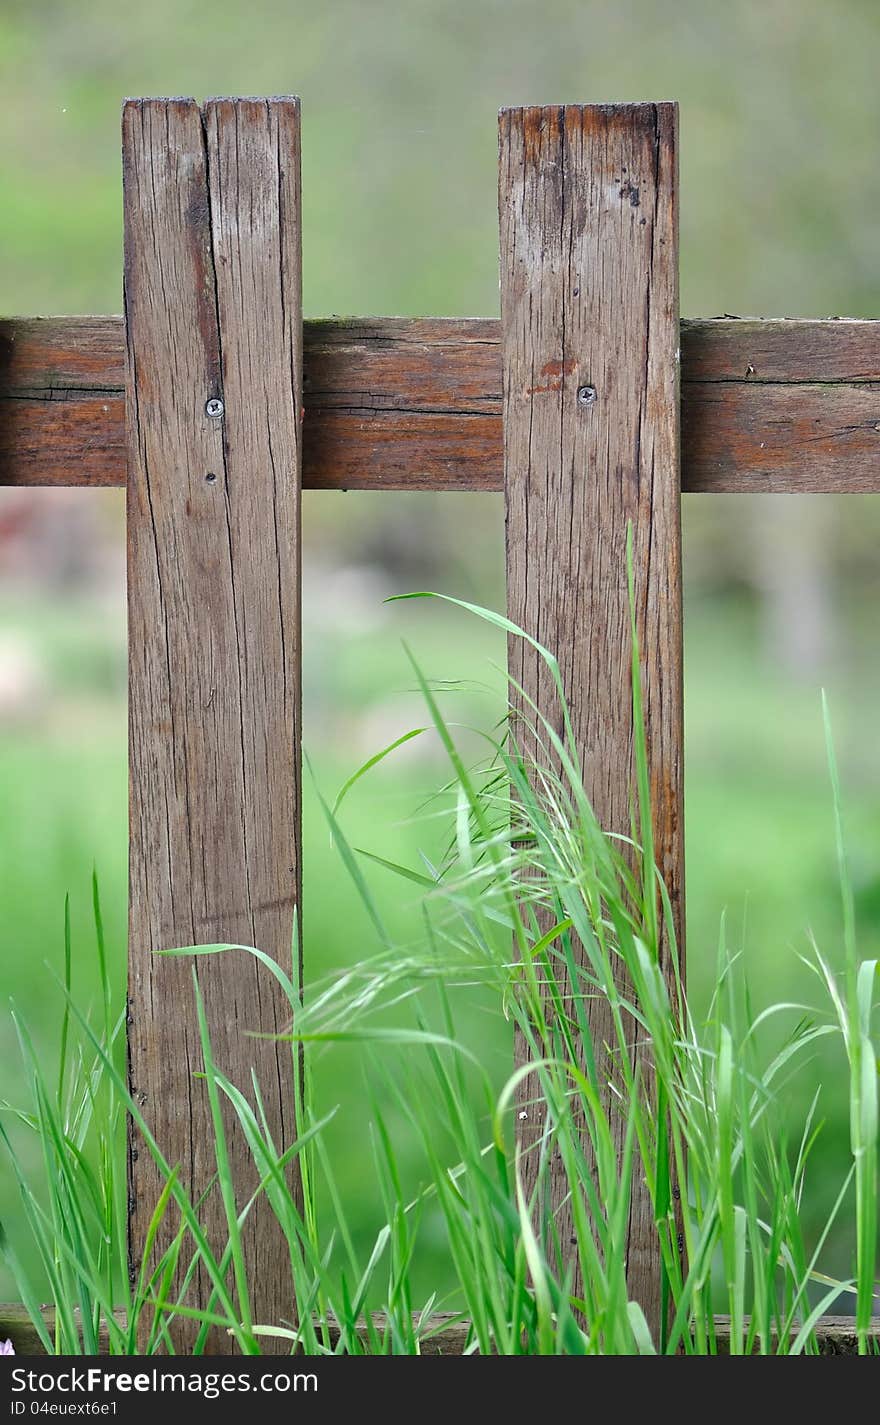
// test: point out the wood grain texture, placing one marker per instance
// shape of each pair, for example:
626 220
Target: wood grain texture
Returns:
401 404
589 301
62 401
213 309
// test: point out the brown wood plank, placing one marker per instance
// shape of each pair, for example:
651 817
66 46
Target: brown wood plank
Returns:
16 1326
212 283
801 438
62 401
836 350
836 1334
589 303
448 1333
401 404
70 439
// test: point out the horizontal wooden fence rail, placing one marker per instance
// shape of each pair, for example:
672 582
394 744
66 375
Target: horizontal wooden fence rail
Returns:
590 405
392 403
448 1334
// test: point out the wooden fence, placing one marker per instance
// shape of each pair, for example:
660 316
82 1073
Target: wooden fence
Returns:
590 405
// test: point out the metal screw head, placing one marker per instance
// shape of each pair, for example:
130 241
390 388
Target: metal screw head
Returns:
214 407
586 395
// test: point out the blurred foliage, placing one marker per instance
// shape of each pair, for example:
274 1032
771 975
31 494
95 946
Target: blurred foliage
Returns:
780 203
779 114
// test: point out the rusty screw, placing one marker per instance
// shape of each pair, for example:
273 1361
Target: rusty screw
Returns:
214 407
586 395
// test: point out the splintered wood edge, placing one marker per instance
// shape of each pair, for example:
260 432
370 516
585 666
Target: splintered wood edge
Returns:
769 406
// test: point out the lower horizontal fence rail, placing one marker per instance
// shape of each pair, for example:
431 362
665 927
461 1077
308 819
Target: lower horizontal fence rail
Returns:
447 1335
400 404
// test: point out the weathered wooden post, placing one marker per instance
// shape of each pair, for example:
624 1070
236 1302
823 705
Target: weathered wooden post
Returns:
589 350
590 354
214 339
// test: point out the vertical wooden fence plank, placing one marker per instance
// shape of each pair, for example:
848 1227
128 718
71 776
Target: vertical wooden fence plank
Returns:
213 322
590 331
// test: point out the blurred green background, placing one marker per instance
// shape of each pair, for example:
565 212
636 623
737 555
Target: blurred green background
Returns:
780 205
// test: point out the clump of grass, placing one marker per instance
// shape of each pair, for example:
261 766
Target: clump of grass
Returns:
535 902
77 1214
585 918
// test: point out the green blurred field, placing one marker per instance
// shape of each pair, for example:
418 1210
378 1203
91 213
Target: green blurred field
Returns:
780 208
758 829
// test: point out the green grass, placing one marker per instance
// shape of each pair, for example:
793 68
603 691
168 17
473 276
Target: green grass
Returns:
63 803
720 1102
760 846
399 157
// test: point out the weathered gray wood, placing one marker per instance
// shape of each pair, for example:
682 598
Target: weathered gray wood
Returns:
213 311
402 404
589 308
